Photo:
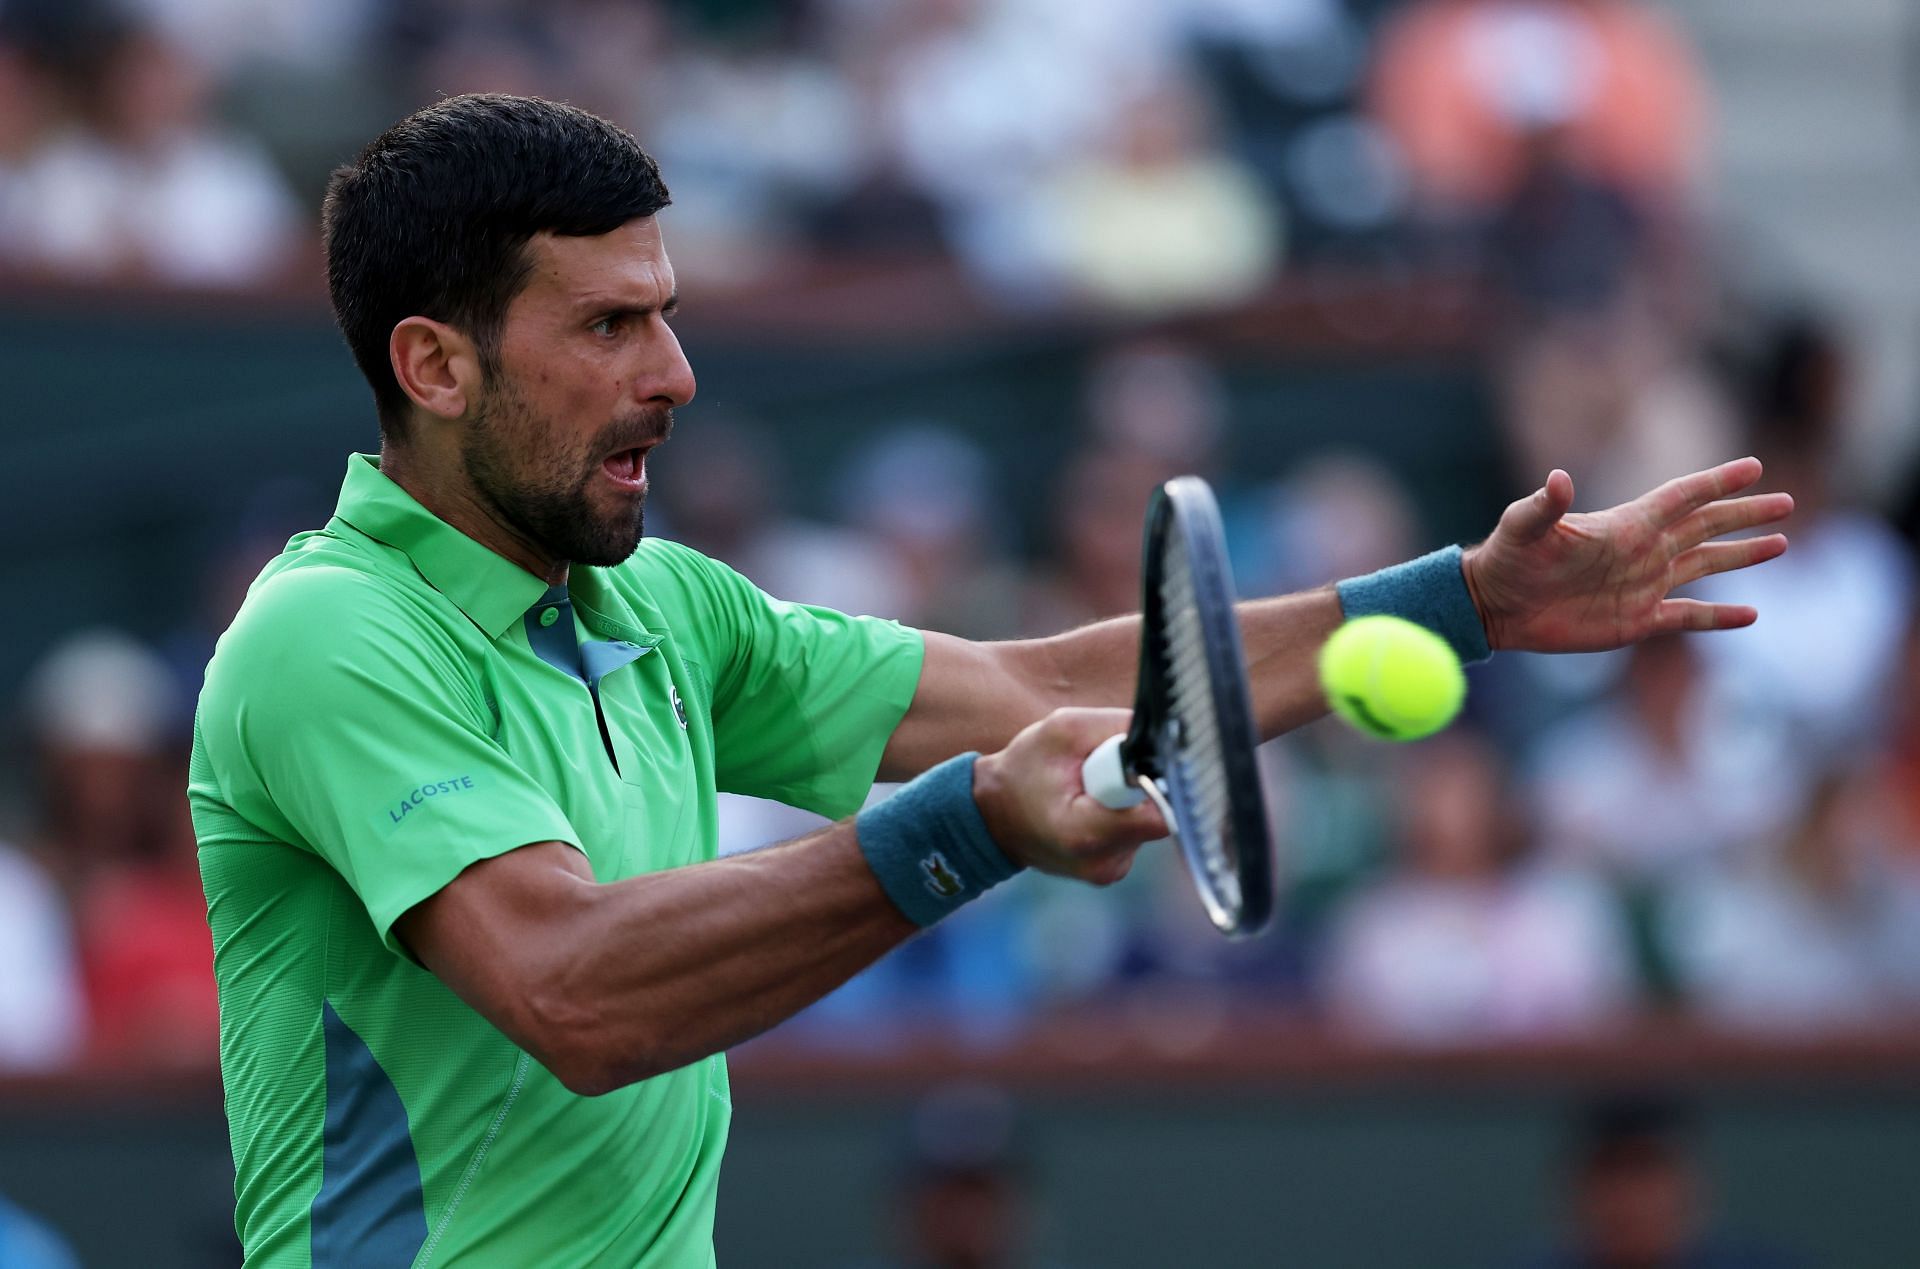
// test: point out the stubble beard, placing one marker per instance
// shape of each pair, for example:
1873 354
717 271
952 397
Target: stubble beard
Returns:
544 495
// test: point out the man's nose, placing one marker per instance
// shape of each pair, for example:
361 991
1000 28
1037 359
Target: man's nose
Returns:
671 383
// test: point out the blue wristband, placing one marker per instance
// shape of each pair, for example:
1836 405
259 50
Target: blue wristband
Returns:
928 845
1430 591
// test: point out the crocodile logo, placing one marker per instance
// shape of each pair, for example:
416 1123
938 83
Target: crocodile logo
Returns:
941 879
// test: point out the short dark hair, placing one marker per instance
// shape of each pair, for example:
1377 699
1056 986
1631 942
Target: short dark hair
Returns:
433 218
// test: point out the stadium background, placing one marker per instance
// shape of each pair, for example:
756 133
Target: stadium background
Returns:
962 279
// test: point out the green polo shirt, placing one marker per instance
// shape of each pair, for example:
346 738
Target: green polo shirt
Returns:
395 702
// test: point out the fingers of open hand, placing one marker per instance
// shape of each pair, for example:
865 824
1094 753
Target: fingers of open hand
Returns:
1676 615
1734 515
1534 514
1724 557
1683 495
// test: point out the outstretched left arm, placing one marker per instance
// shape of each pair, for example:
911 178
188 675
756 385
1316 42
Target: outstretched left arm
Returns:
1554 580
1547 580
979 695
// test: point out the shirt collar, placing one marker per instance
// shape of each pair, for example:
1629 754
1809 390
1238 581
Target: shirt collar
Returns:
489 588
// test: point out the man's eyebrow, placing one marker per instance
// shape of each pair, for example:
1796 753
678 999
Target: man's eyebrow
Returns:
609 304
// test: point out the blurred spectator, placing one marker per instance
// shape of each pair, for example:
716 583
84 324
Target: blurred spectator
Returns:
963 1199
924 495
987 98
880 211
144 185
725 495
226 35
1619 400
1159 398
29 111
1565 242
1160 218
1474 91
104 714
1338 515
1467 938
148 954
750 135
1289 77
475 55
1819 932
29 1243
99 710
1661 776
1637 1199
602 43
1098 507
42 1008
1836 605
1154 409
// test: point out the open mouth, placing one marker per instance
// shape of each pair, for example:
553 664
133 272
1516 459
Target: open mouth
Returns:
628 468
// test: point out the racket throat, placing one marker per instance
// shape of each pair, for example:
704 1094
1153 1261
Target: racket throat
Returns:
1158 796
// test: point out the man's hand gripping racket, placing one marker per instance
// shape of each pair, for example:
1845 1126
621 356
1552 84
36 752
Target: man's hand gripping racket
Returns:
1190 746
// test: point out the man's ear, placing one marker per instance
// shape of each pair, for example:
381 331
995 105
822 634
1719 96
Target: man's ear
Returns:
437 366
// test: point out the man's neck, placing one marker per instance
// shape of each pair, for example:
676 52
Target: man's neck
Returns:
455 501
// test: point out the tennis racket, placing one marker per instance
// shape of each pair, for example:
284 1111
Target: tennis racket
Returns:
1190 747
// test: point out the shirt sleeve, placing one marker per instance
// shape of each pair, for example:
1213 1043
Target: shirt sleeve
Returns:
342 719
804 698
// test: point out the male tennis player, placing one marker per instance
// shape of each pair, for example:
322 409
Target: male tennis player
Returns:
455 762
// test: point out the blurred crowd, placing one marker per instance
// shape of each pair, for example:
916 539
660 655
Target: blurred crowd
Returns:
1134 155
1723 827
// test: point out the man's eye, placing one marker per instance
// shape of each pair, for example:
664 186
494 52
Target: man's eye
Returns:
607 327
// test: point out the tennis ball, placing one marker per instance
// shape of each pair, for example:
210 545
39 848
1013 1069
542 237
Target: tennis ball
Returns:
1391 678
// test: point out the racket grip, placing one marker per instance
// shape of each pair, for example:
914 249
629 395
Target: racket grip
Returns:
1104 776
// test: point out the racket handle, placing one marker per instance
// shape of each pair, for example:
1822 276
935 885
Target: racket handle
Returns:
1104 776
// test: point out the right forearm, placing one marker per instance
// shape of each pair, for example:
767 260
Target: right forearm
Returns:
667 968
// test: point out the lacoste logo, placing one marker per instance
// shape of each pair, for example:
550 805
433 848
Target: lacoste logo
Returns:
942 880
399 810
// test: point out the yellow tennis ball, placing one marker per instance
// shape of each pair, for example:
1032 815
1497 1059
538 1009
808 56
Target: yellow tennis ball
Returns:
1391 678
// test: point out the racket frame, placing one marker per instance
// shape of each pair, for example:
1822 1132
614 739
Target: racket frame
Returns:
1187 503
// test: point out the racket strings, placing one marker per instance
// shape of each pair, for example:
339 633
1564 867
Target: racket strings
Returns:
1195 766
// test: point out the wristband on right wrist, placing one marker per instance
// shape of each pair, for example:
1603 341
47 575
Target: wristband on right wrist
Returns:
928 845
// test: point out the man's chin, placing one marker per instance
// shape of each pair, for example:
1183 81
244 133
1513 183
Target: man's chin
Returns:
613 547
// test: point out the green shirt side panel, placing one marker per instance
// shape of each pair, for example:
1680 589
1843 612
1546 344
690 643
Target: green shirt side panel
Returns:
803 699
626 1180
